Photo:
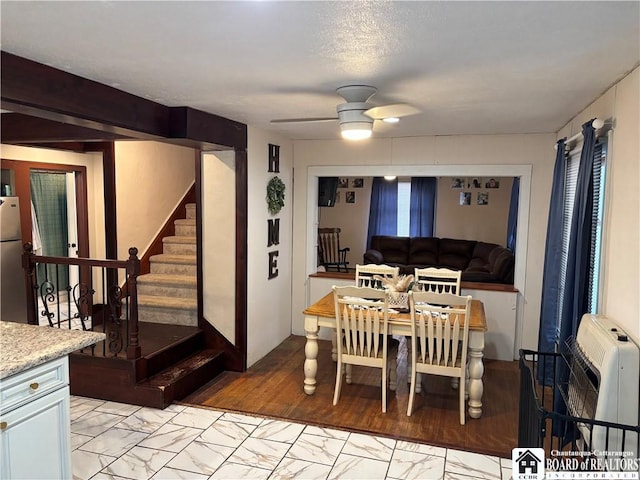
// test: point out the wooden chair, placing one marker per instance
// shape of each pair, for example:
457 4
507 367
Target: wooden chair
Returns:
365 273
362 318
438 280
330 255
439 338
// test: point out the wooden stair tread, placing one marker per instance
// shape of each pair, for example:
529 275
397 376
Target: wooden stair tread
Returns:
175 302
189 222
182 368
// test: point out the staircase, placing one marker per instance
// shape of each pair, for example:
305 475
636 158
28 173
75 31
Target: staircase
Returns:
169 293
176 359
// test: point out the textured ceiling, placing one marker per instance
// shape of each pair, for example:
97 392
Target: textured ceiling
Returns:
470 67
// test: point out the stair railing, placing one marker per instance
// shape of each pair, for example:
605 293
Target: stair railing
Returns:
86 294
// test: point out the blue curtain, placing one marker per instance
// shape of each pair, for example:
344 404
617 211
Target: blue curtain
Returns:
512 222
383 213
576 293
422 209
551 272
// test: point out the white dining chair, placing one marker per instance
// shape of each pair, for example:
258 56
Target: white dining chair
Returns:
365 274
439 338
439 280
362 318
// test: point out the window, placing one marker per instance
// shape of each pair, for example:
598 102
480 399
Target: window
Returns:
599 177
571 177
404 207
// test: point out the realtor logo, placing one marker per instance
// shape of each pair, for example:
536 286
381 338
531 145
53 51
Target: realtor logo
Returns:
527 463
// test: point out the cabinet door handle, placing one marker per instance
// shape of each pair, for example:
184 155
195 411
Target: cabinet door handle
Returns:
34 386
3 425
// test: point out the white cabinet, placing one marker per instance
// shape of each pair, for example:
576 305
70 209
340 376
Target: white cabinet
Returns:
35 424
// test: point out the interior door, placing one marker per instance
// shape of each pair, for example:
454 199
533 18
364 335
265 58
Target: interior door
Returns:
72 226
49 198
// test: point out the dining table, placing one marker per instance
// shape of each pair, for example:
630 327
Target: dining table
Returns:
322 314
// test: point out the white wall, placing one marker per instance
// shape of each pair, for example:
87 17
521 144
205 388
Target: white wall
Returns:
95 184
621 234
531 156
269 301
144 201
219 241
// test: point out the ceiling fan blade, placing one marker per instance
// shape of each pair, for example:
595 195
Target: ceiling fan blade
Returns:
304 120
394 110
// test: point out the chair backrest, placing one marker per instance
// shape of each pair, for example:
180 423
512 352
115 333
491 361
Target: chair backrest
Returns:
440 325
329 251
365 274
362 315
438 280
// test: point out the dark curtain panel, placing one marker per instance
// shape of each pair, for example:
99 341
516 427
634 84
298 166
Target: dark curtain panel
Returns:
512 223
576 293
576 290
49 197
383 213
551 270
422 209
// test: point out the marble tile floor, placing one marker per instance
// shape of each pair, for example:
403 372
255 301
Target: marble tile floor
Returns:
119 441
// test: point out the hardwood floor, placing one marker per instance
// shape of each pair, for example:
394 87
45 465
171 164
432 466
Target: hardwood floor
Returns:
273 387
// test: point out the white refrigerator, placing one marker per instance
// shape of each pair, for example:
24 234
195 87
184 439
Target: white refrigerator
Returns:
13 302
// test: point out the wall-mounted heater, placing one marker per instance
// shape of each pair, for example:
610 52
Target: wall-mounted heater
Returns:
604 382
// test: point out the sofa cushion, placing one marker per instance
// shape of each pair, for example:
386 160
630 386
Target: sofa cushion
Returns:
373 256
454 253
394 249
481 252
424 251
493 255
503 266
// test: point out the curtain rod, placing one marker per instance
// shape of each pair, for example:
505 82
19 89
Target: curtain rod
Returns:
598 123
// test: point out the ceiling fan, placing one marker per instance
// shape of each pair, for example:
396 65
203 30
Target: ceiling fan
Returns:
356 115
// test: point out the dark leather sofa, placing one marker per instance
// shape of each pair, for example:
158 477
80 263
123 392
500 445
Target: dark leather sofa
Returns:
479 261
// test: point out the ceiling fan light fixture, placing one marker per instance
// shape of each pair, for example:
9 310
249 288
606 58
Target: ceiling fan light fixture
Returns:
389 178
391 120
355 130
353 124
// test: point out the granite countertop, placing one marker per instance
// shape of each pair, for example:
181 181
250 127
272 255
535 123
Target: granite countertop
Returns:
24 346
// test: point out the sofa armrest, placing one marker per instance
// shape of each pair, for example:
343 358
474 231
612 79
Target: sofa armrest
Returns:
373 256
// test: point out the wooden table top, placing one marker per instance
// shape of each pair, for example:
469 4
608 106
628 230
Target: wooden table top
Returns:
325 307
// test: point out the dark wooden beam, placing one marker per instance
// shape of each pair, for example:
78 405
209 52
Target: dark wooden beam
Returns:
78 147
39 90
189 123
110 214
19 129
242 221
42 91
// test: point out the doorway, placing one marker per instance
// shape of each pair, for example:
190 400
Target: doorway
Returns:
54 222
60 205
